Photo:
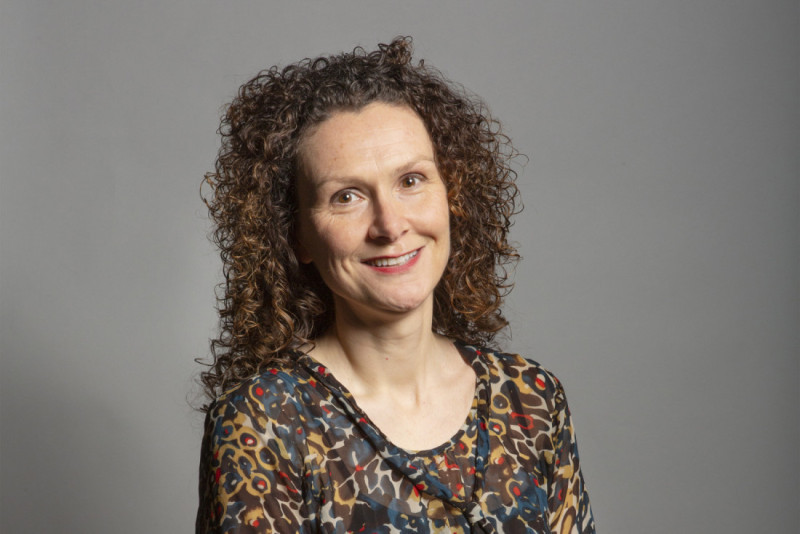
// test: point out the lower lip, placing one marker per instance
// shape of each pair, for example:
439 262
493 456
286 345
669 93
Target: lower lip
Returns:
394 269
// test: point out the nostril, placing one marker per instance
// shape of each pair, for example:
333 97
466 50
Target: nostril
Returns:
388 223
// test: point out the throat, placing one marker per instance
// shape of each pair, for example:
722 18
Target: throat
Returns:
424 423
418 390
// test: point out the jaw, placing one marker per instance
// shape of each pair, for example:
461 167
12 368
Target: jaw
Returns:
396 305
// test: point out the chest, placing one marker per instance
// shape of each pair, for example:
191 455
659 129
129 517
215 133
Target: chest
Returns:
359 483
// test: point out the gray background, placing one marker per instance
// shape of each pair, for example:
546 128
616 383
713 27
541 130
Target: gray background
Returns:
660 236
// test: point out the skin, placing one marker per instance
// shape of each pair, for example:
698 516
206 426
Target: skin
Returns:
374 220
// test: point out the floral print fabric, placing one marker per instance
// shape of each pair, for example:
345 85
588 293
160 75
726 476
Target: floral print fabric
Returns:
290 451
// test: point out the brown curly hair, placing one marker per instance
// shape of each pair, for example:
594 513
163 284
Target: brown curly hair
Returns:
271 303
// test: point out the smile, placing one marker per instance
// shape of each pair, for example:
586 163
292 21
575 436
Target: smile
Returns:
392 262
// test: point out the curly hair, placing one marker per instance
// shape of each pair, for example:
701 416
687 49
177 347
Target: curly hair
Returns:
271 303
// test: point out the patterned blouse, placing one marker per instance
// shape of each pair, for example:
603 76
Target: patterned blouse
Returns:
291 451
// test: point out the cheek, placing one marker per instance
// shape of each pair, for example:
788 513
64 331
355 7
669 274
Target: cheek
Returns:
334 244
333 240
442 212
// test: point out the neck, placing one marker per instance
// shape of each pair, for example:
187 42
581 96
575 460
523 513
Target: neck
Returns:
383 354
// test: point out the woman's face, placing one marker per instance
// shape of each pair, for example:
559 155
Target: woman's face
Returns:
373 214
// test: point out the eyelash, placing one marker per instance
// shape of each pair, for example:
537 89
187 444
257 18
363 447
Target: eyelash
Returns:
338 197
416 177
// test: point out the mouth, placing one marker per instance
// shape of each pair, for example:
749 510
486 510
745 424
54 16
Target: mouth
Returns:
392 262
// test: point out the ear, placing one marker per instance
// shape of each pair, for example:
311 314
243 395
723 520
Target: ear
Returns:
301 252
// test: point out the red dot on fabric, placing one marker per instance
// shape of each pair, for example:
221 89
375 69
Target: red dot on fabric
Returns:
459 486
501 460
259 391
273 371
363 420
471 470
217 474
516 491
359 468
523 420
299 430
261 484
321 370
313 382
255 522
540 382
561 495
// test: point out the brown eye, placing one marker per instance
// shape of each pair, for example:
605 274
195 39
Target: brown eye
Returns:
410 181
344 197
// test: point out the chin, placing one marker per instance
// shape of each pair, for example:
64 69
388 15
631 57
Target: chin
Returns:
405 307
390 306
402 305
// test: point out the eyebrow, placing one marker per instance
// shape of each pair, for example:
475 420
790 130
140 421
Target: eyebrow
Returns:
402 169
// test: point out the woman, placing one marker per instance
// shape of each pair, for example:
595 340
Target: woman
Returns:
362 206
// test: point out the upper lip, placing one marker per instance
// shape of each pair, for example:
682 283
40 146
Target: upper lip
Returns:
388 257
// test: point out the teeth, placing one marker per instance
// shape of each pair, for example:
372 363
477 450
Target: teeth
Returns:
391 262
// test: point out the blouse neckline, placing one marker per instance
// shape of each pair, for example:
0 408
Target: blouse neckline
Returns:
478 413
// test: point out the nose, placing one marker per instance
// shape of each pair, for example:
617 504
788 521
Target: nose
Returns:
389 221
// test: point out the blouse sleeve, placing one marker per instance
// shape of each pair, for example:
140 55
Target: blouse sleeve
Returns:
567 499
250 481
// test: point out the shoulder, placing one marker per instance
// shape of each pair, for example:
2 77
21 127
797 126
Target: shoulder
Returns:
511 373
514 366
277 394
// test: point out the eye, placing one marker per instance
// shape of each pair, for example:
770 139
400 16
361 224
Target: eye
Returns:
410 180
344 197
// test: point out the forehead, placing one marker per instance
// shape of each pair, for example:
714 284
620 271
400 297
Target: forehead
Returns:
375 136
